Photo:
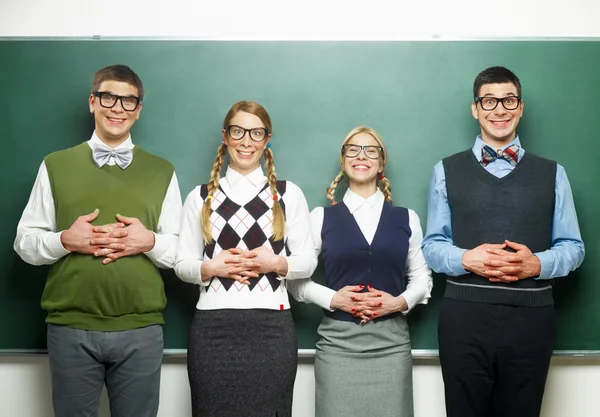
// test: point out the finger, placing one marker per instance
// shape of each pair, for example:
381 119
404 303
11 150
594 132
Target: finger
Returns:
118 233
232 260
503 279
117 247
107 228
235 251
354 288
240 279
495 245
103 241
249 274
372 303
126 220
103 252
249 254
90 217
515 245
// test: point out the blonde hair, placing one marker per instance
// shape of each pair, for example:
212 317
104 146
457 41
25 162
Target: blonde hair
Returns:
212 186
382 182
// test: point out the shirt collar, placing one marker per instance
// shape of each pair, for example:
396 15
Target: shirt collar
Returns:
353 201
95 140
256 178
479 143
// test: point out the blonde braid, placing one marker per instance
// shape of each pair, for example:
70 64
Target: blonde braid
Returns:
386 188
212 186
331 190
278 216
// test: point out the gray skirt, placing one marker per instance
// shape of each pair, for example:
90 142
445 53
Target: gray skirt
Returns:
364 370
242 363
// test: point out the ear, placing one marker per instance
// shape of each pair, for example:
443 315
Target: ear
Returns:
267 140
522 107
91 103
223 137
139 110
474 110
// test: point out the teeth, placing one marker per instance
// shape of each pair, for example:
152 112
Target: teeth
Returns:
245 153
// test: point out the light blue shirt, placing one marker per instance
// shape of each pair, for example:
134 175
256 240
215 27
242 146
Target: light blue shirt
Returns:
565 254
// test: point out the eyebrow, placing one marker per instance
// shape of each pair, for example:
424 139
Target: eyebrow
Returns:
506 95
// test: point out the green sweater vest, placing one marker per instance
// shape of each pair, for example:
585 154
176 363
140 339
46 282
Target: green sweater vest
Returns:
80 291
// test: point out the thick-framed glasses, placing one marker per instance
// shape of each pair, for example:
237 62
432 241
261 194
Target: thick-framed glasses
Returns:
257 134
372 152
108 100
490 103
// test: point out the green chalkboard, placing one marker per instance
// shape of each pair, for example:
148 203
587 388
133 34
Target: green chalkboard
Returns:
416 94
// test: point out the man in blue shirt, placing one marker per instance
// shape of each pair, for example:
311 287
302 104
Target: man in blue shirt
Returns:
501 224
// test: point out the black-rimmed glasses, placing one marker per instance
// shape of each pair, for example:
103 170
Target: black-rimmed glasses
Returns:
372 152
257 134
490 103
108 100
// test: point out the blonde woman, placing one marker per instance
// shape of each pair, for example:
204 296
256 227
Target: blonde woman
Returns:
371 251
243 236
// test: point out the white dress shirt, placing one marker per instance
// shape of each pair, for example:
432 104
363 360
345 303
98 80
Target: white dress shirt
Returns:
38 241
241 190
367 212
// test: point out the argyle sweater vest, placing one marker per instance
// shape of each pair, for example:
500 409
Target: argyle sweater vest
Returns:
247 226
350 260
485 209
80 291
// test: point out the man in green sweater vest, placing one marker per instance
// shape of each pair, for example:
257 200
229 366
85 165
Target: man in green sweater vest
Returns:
104 214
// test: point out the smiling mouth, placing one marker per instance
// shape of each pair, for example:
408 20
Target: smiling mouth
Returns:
361 167
500 122
115 120
245 154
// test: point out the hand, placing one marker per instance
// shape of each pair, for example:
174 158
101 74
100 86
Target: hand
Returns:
137 240
500 271
474 260
386 304
269 262
349 299
81 235
230 264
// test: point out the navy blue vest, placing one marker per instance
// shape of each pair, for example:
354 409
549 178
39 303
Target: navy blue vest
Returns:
349 260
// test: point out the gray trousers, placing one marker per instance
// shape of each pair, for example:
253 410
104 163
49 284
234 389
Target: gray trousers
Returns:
128 362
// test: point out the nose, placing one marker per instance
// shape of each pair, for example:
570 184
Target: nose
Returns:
118 107
500 109
245 140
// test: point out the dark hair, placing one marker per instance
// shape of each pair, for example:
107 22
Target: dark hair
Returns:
118 73
495 75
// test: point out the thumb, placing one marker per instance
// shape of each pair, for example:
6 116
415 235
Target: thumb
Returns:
92 216
514 245
126 220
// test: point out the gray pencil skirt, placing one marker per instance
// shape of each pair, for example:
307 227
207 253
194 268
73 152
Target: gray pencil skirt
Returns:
363 371
242 363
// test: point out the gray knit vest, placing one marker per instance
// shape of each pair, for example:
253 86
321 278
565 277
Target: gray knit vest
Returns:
486 209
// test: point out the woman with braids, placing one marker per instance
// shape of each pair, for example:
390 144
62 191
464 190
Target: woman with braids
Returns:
371 251
242 237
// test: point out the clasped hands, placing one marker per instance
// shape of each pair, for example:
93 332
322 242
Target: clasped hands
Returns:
126 237
242 264
367 305
494 262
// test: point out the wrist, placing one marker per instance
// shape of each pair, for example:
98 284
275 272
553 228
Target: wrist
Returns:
151 241
280 265
206 271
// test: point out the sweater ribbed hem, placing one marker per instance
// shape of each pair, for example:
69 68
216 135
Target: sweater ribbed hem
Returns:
343 316
82 321
526 297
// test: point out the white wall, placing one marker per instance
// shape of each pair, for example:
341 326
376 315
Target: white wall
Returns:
572 388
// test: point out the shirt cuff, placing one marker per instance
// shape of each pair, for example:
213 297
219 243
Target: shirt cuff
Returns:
412 297
294 271
161 243
455 261
55 246
321 296
546 263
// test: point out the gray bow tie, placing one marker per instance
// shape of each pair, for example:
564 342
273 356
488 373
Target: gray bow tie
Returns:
102 153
